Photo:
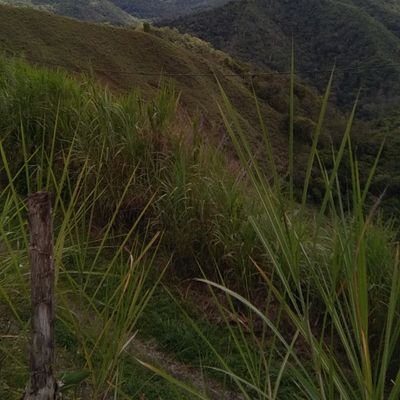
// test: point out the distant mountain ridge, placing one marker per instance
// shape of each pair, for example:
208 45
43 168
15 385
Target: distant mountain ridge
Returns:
362 37
119 12
103 11
386 12
157 9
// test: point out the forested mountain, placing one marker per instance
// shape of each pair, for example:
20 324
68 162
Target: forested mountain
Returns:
119 12
386 12
359 36
156 9
97 11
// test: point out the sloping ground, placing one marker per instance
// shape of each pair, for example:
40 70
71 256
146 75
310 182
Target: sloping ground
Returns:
156 9
387 12
149 352
103 11
364 49
119 12
127 59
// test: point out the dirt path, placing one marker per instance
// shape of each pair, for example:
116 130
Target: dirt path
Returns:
148 352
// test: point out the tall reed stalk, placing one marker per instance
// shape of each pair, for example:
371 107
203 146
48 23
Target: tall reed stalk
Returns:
328 324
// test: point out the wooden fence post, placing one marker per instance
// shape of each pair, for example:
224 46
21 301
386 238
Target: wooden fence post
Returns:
42 385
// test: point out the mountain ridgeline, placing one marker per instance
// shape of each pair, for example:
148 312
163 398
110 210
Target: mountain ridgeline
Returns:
100 11
360 37
119 12
157 9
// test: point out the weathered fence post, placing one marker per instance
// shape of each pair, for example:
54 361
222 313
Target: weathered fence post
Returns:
42 385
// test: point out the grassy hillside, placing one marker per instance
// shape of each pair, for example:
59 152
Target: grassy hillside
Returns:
325 33
126 183
130 59
103 11
133 59
297 300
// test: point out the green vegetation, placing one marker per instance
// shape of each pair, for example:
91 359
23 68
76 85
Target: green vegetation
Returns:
128 60
262 269
102 279
102 11
118 12
133 197
327 323
126 186
157 9
357 36
386 12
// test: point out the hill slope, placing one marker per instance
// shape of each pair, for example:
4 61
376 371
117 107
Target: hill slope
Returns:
325 32
387 12
155 9
127 59
103 11
119 12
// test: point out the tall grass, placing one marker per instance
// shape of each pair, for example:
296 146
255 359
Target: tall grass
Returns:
340 307
126 186
101 279
310 297
327 323
60 136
